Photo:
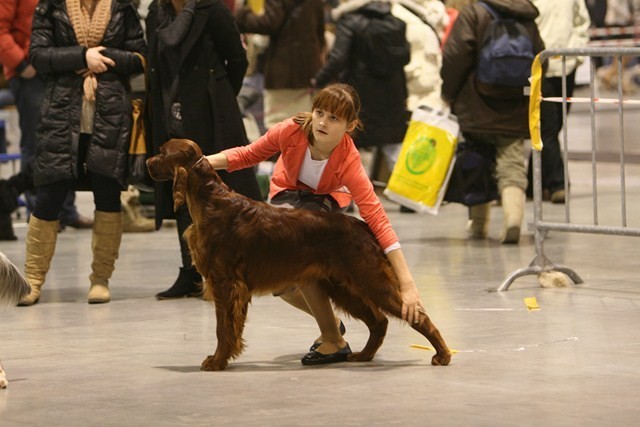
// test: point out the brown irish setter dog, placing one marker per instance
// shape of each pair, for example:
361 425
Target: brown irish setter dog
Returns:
243 248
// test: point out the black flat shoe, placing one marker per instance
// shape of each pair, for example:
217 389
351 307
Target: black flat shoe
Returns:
315 345
316 358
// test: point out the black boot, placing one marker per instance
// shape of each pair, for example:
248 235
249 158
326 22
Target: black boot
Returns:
188 284
6 227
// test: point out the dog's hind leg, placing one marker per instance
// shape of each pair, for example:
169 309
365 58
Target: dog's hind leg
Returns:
392 304
231 314
357 308
430 332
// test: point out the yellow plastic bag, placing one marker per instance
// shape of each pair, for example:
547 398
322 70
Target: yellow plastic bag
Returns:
419 178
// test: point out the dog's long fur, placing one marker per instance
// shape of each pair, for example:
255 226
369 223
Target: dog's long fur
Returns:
243 248
13 286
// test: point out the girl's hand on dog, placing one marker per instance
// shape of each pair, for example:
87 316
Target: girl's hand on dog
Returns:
411 303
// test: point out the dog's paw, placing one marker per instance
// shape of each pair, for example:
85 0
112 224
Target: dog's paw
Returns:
211 364
441 359
359 357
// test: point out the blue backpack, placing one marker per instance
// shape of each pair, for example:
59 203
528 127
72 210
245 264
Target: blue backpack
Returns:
506 55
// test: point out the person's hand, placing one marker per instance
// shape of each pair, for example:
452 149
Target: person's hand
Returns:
29 72
411 304
97 62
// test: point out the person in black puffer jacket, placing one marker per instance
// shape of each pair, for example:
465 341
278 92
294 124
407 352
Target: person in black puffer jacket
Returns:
384 99
86 50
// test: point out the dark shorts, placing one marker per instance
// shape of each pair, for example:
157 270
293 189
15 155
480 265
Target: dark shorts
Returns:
306 200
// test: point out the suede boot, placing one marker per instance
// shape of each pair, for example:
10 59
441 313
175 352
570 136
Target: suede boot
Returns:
188 284
478 226
41 245
513 210
105 244
133 221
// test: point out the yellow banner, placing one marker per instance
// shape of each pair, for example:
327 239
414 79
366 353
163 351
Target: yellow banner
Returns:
534 104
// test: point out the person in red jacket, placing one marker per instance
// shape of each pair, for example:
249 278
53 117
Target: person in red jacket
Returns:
27 89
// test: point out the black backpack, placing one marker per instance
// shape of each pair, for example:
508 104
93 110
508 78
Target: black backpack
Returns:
386 45
506 55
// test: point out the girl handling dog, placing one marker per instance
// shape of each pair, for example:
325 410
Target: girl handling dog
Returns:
320 169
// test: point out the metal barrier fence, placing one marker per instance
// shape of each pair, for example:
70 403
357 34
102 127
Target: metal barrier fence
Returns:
541 263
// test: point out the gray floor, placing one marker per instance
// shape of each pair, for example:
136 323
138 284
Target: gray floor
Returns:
135 361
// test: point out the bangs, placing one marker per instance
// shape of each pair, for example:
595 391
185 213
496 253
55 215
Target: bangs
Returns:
337 102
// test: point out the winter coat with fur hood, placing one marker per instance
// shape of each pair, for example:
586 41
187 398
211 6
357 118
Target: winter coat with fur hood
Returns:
477 113
57 56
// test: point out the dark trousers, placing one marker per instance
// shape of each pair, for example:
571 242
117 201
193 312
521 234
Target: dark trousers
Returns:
50 197
550 128
183 221
28 95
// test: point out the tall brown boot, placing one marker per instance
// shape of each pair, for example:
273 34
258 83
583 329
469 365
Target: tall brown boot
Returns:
513 210
41 244
133 221
478 226
105 244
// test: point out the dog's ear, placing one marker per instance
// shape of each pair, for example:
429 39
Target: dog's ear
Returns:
179 187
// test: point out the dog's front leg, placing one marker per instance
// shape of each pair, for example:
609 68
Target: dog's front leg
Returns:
3 378
231 314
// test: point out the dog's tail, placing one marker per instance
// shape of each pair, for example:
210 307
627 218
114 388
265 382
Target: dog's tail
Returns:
13 285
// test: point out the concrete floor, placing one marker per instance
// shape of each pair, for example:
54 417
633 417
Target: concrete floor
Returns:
135 361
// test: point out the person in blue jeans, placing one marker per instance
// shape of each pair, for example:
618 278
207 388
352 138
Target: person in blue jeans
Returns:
27 89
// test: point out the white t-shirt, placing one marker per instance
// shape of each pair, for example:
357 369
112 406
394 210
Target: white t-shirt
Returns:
310 174
311 170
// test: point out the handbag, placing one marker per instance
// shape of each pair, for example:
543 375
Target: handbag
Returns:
419 177
472 181
136 164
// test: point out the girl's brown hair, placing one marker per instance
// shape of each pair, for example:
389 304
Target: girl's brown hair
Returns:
339 99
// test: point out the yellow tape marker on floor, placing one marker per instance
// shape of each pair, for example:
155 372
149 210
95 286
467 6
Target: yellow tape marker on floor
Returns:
424 347
531 303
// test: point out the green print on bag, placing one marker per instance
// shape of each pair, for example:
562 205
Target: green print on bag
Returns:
421 155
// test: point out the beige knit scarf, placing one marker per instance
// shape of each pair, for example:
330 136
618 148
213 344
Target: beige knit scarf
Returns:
89 26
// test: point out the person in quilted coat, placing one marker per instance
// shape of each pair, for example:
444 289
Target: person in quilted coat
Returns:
86 50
